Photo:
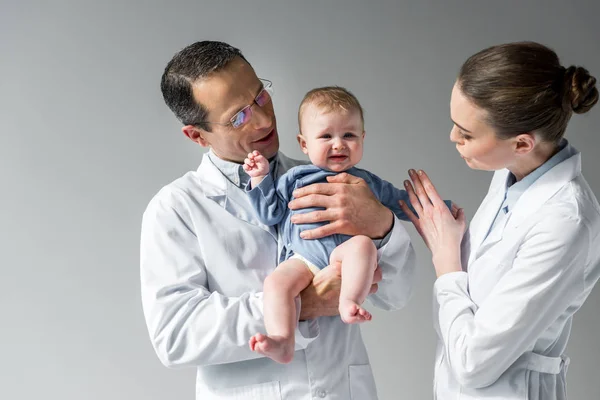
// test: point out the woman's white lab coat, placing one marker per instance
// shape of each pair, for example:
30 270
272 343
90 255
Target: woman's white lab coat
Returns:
503 323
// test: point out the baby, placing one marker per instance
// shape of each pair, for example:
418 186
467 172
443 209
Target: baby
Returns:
332 135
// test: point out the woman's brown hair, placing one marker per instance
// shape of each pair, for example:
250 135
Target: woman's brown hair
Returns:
524 89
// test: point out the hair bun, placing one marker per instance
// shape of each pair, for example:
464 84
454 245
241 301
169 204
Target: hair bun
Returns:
580 92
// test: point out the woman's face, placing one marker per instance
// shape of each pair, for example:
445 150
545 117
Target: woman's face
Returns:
475 140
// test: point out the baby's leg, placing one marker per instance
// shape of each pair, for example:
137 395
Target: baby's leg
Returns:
280 289
358 256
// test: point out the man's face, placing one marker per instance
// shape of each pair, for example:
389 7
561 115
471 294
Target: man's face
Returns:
224 93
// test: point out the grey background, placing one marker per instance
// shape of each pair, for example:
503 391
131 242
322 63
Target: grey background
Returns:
86 141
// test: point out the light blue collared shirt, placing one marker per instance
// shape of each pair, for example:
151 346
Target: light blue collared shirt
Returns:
515 189
234 171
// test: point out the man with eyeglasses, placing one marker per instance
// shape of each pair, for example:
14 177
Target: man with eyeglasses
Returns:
204 254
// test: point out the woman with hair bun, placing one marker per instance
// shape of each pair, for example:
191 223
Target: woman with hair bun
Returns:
507 287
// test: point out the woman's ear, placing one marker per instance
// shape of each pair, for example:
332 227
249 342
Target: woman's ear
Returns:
525 143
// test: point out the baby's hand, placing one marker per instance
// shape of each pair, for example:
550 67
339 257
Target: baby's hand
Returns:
256 164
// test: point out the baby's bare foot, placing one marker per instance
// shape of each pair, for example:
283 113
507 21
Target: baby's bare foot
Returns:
277 348
352 313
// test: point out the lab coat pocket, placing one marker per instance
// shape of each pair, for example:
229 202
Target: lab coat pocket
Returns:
512 385
362 384
260 391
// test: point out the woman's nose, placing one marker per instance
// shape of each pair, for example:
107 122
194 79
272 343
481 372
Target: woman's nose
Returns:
454 136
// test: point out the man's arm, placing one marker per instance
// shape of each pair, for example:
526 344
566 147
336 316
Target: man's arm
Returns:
398 262
188 324
321 298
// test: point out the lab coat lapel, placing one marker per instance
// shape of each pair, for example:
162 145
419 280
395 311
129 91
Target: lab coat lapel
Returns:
233 199
495 235
529 203
544 188
485 216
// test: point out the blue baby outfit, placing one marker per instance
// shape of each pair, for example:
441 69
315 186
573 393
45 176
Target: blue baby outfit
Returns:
270 200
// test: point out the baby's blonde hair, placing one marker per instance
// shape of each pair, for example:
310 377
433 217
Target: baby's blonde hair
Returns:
328 99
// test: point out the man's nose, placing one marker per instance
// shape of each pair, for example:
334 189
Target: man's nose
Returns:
261 118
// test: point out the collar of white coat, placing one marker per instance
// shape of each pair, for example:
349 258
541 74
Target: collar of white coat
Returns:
219 179
545 187
528 203
514 190
232 171
218 188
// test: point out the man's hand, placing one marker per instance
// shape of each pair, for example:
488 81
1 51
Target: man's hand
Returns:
350 207
321 298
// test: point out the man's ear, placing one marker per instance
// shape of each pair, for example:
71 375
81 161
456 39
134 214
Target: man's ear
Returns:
195 134
302 143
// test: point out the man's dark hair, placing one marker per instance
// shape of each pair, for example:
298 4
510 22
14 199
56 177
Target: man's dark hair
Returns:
194 62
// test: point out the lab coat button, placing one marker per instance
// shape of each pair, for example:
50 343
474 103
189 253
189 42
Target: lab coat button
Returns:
321 393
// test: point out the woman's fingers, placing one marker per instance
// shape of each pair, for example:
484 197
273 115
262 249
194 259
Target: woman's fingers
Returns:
419 190
430 190
414 200
411 216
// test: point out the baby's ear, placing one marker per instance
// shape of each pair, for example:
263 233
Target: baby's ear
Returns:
302 142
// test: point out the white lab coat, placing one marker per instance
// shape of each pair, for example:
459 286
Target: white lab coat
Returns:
204 256
503 324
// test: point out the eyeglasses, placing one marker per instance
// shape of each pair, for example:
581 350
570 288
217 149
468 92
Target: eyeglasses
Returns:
244 116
